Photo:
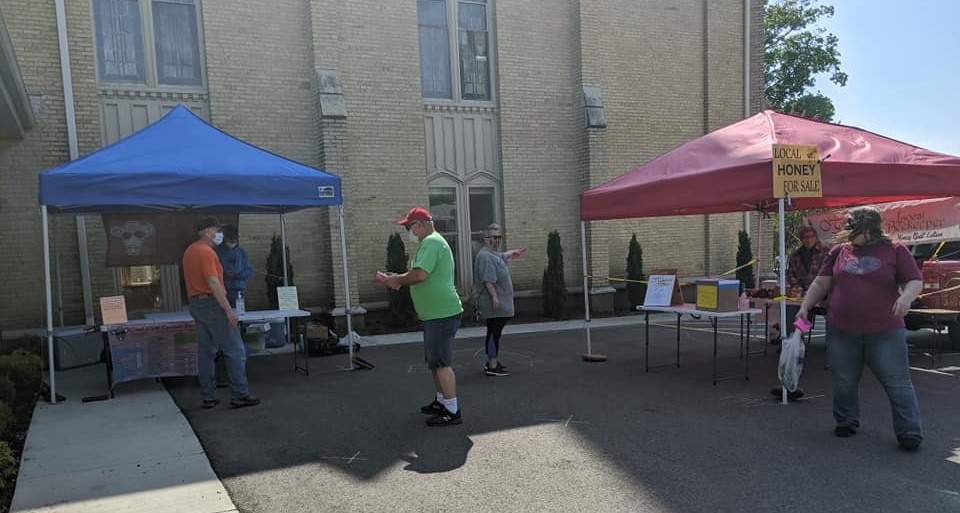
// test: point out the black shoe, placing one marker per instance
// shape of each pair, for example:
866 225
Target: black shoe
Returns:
209 403
908 443
791 396
243 402
845 431
499 370
434 408
445 418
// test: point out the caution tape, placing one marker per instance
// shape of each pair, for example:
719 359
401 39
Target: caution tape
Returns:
626 280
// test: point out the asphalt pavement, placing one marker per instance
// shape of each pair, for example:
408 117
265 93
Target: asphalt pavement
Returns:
561 434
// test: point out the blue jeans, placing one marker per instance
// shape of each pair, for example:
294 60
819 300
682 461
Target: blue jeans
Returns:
214 333
886 355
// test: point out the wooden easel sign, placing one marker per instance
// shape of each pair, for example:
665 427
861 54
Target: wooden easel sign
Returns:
663 290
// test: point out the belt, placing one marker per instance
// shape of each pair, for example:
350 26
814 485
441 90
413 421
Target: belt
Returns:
201 296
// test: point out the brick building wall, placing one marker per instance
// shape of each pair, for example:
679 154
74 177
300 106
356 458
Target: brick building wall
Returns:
669 70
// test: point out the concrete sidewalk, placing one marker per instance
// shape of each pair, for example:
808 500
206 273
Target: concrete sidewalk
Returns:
137 452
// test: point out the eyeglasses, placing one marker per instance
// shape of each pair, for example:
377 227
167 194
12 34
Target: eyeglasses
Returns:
410 224
495 238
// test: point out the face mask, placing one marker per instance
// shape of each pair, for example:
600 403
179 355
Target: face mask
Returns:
218 238
412 237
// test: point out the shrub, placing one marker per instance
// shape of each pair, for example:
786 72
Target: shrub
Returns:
401 306
744 255
8 466
23 369
274 276
635 290
554 288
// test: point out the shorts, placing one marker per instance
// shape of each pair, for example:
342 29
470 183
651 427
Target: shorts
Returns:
438 335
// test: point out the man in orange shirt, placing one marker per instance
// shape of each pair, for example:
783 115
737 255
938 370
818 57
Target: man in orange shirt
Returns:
216 321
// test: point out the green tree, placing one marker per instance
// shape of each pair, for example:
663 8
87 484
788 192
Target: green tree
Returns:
795 51
401 305
745 255
635 291
554 288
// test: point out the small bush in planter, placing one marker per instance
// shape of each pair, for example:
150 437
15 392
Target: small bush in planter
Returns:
554 288
274 276
635 290
401 306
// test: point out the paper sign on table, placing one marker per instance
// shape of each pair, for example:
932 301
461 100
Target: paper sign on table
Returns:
662 290
113 309
287 298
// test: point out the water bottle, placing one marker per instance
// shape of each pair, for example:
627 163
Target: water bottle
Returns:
240 306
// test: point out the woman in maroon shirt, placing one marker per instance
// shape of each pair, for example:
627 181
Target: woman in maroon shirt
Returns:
871 282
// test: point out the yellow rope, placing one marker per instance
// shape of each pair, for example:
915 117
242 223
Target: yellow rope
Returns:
948 289
625 280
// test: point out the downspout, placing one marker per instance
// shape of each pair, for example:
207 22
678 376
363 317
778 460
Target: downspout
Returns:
74 153
746 85
706 125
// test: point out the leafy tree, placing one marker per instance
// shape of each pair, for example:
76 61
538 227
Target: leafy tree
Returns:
554 288
795 51
635 291
744 255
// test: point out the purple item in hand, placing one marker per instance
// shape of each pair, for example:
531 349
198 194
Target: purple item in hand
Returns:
803 325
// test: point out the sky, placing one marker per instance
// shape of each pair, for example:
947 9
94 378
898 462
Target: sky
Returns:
902 59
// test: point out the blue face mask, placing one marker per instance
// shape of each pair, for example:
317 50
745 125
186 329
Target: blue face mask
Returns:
218 238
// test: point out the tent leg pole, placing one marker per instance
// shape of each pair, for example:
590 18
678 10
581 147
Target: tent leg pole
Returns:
49 305
783 281
588 356
586 281
346 284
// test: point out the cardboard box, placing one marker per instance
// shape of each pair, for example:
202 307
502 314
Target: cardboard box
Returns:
718 295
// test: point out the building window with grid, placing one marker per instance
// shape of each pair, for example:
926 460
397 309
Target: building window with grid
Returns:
148 42
455 64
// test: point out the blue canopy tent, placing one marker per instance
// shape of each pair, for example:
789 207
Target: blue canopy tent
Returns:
183 163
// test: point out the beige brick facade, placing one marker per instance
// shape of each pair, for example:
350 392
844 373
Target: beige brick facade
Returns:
669 71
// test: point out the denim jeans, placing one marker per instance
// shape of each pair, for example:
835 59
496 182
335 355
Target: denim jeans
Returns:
214 333
885 353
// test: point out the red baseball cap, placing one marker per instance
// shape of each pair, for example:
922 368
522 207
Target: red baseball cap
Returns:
416 214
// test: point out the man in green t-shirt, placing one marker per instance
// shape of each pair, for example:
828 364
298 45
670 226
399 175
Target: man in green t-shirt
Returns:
438 305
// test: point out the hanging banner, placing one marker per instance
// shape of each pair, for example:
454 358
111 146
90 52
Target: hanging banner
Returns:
796 171
909 222
153 239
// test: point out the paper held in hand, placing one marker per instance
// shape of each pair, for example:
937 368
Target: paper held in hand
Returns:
382 276
513 255
287 298
663 290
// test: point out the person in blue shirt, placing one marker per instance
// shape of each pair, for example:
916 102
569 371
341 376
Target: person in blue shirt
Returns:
236 266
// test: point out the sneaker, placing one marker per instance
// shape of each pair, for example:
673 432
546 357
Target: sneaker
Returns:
209 403
777 392
445 418
243 402
499 370
845 431
908 443
434 408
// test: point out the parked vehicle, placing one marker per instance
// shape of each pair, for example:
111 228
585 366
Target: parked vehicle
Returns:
939 273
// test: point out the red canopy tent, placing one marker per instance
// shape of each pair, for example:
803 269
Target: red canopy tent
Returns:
731 170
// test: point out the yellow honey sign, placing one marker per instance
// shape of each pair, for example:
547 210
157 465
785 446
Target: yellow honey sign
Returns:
796 171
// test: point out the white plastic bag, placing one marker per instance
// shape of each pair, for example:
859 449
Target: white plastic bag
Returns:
791 361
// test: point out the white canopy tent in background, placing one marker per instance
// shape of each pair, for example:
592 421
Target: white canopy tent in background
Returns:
909 222
181 163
